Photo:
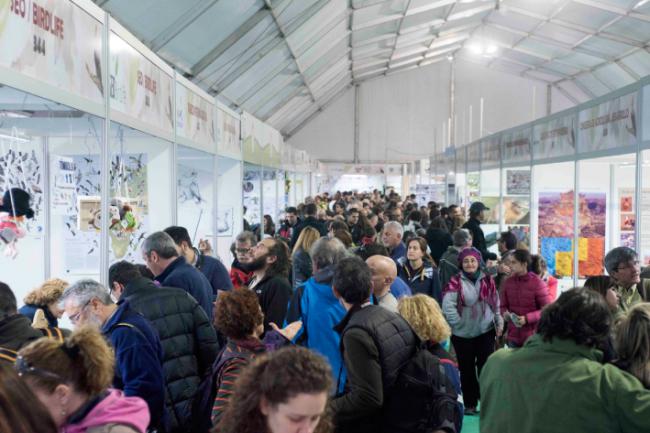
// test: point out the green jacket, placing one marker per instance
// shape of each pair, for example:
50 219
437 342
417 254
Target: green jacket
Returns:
559 387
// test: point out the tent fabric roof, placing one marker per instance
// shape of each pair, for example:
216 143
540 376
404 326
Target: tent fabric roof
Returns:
285 60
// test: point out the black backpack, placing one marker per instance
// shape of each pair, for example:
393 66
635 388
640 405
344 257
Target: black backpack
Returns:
423 398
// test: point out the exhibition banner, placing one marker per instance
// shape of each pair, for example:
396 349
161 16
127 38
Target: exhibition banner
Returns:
609 125
228 135
260 142
473 156
138 88
54 41
490 152
555 138
516 146
195 118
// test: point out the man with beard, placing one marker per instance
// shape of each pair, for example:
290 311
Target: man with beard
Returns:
138 352
269 262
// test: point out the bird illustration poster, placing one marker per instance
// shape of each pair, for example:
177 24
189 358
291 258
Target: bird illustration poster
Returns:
608 125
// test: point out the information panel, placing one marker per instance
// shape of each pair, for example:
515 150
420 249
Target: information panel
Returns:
608 125
554 138
195 118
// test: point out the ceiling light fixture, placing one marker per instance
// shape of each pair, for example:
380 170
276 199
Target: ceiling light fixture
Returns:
484 49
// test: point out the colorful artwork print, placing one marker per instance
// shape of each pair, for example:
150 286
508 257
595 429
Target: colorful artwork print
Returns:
555 214
516 210
627 203
518 182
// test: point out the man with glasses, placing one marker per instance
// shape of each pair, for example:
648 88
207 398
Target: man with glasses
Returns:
138 352
241 249
622 264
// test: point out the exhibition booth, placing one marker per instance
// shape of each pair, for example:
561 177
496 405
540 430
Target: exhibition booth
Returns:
571 186
111 144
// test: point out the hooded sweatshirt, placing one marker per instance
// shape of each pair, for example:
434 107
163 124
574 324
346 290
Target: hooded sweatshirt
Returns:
114 409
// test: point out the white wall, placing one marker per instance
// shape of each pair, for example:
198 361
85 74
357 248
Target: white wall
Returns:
402 115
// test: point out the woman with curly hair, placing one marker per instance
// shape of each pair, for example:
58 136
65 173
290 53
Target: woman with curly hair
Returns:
46 298
425 317
72 380
633 343
283 392
239 317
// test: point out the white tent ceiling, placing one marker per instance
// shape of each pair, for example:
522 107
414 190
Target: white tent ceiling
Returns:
284 60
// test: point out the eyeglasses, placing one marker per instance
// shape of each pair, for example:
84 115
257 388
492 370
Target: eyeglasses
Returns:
75 317
242 250
630 265
23 367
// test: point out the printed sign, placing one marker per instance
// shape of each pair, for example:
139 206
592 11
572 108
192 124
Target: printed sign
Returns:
609 125
138 88
54 41
490 153
554 138
516 146
473 156
228 133
194 117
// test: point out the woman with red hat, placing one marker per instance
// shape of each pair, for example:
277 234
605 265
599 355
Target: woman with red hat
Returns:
471 306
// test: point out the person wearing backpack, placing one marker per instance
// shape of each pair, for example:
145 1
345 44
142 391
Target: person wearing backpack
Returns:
378 348
240 319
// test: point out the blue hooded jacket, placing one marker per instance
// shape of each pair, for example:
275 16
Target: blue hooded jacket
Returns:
320 311
215 272
184 276
138 360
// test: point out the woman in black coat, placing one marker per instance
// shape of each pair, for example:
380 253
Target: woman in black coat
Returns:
438 238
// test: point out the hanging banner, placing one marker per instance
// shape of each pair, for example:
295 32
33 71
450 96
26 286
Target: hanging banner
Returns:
194 118
473 156
228 135
516 146
260 142
54 41
609 125
555 138
490 153
138 88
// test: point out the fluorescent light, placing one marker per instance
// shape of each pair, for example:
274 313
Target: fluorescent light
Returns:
491 49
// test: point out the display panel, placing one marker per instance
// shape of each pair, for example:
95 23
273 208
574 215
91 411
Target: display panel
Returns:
229 206
140 185
515 205
252 194
489 195
553 211
643 214
195 191
270 193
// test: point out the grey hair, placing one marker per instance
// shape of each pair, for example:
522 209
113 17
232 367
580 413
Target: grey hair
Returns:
326 252
84 290
618 256
246 236
395 226
461 237
161 243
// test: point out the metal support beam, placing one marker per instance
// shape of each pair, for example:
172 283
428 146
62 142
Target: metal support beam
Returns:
452 103
549 99
183 21
266 79
214 54
357 110
569 96
277 107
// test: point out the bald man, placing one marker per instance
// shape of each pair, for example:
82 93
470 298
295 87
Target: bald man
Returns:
384 272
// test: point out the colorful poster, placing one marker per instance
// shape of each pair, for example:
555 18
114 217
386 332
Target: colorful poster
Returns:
491 215
554 138
557 253
228 134
627 216
516 145
516 210
138 88
555 214
608 125
54 41
518 182
195 118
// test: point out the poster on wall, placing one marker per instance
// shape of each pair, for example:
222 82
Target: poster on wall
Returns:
54 41
64 185
608 125
424 193
518 182
252 196
194 117
194 189
225 221
627 217
138 88
554 138
556 232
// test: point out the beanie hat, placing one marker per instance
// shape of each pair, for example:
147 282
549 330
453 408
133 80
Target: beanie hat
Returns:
471 251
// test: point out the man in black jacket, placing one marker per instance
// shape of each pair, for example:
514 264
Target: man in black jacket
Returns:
15 329
310 220
371 369
269 262
476 216
213 269
161 257
188 339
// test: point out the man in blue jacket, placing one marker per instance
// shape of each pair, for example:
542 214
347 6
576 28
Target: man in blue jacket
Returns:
213 269
138 352
161 257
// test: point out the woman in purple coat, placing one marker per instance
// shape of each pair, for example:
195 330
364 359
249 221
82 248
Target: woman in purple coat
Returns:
523 296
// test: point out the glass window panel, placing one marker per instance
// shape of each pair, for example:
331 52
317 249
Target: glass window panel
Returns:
607 218
140 184
195 190
229 206
515 208
552 211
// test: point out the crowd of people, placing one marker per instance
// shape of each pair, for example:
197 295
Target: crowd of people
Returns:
356 313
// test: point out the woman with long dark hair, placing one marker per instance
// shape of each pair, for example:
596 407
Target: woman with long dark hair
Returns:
418 270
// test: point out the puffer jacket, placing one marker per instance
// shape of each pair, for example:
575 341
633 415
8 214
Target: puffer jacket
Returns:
188 339
524 295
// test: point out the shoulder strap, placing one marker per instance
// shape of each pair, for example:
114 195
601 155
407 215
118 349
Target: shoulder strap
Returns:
53 333
8 354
